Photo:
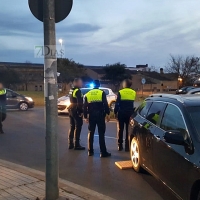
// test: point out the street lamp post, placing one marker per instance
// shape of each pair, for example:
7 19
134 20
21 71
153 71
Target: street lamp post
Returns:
61 43
179 81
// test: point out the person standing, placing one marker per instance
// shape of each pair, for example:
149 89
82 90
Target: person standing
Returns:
2 107
95 110
76 115
124 108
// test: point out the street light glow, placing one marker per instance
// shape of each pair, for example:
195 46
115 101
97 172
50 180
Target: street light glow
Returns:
60 41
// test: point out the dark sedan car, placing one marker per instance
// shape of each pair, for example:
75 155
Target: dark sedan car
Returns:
18 101
184 90
165 141
194 91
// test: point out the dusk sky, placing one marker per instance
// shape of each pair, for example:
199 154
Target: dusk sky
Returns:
98 32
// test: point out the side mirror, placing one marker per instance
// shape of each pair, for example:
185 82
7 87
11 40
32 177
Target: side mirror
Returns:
174 137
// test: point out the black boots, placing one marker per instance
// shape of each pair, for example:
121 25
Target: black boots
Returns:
127 147
90 153
1 131
71 145
104 155
78 146
120 147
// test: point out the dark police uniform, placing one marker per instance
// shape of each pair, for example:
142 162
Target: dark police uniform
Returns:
75 116
2 108
124 108
96 106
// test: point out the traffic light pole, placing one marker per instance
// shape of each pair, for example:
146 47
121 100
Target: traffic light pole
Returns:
50 82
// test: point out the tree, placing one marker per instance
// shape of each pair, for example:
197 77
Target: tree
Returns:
116 73
186 68
153 69
27 76
9 77
69 70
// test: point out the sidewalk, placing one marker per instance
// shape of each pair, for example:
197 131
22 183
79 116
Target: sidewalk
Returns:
17 186
21 183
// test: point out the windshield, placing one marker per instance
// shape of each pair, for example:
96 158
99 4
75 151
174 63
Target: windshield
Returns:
194 113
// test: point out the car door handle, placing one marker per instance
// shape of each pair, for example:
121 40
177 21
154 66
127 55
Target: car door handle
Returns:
140 125
157 137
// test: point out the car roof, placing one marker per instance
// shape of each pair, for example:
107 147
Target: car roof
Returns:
99 88
193 90
187 100
187 87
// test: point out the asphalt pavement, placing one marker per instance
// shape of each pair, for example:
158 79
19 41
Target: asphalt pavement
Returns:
24 143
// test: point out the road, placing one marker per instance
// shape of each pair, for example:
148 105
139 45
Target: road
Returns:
24 143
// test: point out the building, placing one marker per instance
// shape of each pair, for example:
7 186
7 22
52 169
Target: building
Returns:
32 76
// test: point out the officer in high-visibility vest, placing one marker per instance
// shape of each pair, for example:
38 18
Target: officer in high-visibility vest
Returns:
124 108
95 110
2 106
76 115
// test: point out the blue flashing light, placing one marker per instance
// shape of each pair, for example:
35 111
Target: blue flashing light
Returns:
91 85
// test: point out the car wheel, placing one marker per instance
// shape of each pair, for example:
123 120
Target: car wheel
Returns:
112 106
135 155
198 197
23 106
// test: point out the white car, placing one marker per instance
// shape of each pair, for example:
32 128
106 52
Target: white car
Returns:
64 102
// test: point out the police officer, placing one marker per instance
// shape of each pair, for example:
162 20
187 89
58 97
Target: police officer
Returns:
124 108
2 106
76 115
95 110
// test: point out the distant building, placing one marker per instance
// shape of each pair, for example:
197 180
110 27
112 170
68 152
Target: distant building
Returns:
32 76
139 68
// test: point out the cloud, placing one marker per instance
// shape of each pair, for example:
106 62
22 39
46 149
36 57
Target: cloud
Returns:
101 31
79 28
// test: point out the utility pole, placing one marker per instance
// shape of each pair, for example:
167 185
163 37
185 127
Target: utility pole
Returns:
51 113
50 12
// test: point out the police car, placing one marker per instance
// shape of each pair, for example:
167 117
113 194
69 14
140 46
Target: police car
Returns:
64 102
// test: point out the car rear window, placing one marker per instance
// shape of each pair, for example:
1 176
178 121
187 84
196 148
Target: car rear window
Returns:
173 120
194 112
155 111
144 108
106 91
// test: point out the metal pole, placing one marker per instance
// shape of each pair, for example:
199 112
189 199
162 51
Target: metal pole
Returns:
50 82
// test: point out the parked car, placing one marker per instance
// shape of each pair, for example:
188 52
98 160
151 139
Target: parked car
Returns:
184 90
64 102
194 91
18 101
165 141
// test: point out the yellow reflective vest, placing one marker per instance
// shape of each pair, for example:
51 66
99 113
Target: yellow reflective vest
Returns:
2 92
95 95
74 93
127 94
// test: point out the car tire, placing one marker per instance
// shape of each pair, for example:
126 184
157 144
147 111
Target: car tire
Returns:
135 155
23 106
198 196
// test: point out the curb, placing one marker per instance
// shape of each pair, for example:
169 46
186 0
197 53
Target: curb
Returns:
67 186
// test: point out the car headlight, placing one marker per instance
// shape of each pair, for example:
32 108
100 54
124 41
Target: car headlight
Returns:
132 122
68 103
29 98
